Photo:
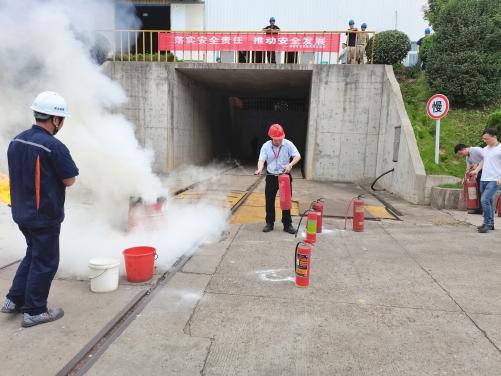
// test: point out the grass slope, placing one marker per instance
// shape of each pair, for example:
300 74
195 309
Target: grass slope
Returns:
459 126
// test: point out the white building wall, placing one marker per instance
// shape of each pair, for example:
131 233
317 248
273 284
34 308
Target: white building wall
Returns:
314 15
187 16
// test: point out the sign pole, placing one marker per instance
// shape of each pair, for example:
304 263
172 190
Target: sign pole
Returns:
437 107
437 140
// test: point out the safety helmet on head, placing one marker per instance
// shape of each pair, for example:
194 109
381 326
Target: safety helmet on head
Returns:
363 26
50 103
272 19
351 22
427 30
276 132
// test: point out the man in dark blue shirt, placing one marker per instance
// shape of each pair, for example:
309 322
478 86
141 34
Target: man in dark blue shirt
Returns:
258 56
40 169
351 36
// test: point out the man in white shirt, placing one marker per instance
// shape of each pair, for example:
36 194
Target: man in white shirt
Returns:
491 175
474 155
277 154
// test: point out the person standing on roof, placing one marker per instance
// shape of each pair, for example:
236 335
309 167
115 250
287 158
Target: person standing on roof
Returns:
40 169
277 154
362 40
341 59
351 36
420 42
272 28
427 33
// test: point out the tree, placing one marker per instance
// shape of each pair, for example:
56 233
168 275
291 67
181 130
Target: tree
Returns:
464 60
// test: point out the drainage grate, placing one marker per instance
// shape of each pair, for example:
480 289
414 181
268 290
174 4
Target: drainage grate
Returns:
274 104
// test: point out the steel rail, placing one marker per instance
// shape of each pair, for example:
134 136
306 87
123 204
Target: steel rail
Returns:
93 350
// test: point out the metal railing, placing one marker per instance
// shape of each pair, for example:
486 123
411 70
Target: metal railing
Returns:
283 47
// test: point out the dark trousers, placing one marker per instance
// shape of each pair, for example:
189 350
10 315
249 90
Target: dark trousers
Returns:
479 176
291 58
34 275
243 56
272 57
270 192
258 57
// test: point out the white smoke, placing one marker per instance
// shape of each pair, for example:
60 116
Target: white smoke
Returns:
45 46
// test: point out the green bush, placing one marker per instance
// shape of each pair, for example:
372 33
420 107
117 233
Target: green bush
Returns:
494 121
465 77
463 61
388 47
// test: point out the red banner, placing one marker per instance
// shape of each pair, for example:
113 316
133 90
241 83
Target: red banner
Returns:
307 42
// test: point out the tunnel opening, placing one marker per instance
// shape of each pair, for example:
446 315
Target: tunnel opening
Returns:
243 103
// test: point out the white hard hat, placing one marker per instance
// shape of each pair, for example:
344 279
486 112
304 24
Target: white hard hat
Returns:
50 103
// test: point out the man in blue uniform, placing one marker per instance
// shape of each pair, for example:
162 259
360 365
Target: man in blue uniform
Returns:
40 169
277 154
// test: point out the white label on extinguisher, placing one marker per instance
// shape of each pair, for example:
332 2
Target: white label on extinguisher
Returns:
302 265
359 209
472 193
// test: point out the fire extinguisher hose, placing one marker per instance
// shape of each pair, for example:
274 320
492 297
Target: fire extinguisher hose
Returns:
379 177
295 256
301 219
348 209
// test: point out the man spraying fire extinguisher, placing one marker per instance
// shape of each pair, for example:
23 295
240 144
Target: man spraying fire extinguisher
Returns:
474 155
277 154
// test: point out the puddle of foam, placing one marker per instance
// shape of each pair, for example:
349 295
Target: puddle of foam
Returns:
275 275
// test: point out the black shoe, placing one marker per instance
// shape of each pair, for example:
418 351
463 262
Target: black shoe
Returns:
289 229
483 225
268 227
485 228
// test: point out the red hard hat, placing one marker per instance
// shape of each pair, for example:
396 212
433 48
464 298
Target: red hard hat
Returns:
276 132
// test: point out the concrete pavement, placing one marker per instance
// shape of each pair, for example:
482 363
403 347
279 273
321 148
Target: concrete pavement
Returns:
418 296
412 297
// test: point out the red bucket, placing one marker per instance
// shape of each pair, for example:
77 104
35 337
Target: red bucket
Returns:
139 263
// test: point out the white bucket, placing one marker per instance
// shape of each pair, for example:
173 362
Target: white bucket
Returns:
103 274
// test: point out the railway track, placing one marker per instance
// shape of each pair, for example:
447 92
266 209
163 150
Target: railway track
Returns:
92 351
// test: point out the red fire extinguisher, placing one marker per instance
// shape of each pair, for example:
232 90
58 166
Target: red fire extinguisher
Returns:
302 258
358 214
499 206
284 187
144 214
471 192
311 228
318 206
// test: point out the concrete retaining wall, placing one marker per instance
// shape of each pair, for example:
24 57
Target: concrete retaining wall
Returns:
357 124
355 114
344 122
447 198
168 109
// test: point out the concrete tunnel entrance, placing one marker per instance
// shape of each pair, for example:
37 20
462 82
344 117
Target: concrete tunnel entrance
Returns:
348 121
243 104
